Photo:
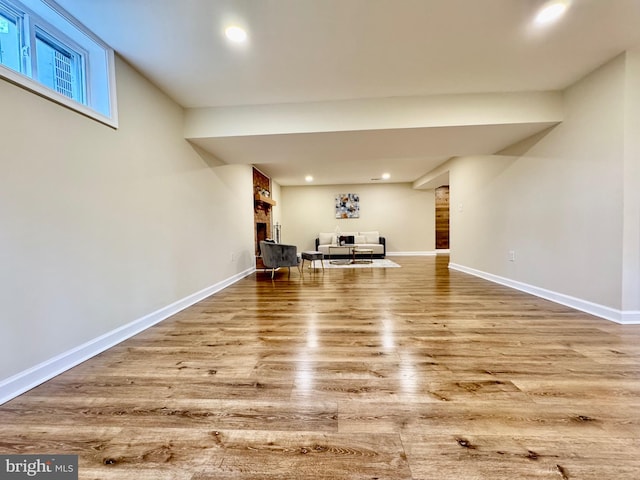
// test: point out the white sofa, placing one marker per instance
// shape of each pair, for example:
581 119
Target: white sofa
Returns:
371 240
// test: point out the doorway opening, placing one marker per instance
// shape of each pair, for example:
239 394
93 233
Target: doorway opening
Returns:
442 217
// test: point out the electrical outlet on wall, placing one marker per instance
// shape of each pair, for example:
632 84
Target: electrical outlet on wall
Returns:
512 255
233 256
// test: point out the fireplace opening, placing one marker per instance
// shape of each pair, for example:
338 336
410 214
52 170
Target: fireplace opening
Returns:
261 234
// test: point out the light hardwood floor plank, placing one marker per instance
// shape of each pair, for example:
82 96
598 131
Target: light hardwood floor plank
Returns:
416 372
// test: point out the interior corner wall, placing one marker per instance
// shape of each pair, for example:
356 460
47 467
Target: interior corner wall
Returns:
403 215
100 227
277 196
558 206
631 232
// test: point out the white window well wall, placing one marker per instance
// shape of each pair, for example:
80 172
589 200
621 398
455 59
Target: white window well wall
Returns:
47 51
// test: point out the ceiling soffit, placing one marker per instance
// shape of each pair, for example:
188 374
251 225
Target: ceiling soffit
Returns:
360 138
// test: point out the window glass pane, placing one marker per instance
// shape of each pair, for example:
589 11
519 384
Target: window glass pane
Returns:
9 43
58 68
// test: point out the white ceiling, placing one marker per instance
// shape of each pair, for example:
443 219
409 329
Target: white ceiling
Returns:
323 50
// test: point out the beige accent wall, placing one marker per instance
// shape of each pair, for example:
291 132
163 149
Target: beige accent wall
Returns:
100 227
404 216
277 196
555 201
631 233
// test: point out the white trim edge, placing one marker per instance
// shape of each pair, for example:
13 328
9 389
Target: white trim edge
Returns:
32 377
411 254
628 317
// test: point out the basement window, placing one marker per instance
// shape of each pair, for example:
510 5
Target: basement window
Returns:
45 50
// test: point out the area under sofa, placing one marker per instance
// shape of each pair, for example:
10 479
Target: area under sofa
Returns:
364 240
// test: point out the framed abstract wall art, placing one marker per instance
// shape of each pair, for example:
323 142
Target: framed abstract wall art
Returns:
347 205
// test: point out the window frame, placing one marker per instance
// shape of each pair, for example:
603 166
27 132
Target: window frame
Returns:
60 42
31 23
17 18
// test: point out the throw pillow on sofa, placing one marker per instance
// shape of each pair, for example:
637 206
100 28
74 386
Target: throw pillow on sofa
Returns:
327 239
346 239
372 237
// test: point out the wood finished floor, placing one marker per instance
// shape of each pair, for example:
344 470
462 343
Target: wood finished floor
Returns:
402 373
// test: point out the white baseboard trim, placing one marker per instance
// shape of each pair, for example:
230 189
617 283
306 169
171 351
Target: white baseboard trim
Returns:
26 380
628 317
411 254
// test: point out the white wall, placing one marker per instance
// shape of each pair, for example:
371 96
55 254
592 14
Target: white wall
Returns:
558 203
404 216
99 227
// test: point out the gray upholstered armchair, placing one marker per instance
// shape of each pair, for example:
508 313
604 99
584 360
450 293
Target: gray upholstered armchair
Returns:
275 255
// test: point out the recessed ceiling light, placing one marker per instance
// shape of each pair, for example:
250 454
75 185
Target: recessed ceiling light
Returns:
308 178
551 11
386 176
236 34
